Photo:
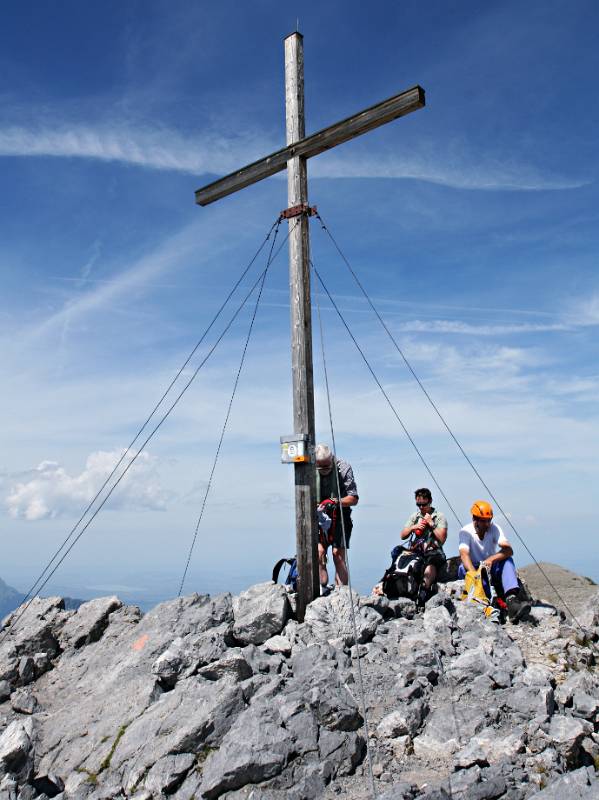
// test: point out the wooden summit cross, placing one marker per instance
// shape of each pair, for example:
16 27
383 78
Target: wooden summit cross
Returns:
293 158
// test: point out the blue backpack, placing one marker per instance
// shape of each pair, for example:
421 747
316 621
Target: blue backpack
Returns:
291 579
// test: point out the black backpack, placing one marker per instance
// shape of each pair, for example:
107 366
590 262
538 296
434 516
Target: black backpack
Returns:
404 576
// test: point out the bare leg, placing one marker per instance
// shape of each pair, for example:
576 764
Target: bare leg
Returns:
341 577
430 575
322 565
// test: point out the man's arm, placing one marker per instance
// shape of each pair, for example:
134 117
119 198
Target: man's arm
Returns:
348 485
413 525
440 535
464 550
466 560
505 549
440 532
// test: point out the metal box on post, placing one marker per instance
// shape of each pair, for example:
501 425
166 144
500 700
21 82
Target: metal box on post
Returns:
295 449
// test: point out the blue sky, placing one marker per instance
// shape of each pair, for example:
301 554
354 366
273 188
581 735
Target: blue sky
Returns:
472 223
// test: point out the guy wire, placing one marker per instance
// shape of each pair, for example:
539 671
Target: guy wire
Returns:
345 548
446 425
23 608
224 428
156 407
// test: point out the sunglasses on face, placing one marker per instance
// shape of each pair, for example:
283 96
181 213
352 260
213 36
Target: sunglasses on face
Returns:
423 505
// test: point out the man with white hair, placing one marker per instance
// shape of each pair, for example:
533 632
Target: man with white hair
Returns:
336 493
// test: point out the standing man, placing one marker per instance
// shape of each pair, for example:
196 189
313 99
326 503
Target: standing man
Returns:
336 493
426 530
479 542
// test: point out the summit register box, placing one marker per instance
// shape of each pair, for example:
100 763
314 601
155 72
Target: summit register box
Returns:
295 449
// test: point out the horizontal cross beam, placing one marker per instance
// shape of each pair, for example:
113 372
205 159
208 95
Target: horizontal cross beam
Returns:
397 106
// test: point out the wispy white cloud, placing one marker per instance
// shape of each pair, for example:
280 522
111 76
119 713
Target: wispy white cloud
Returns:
467 329
48 491
210 153
167 256
466 171
155 148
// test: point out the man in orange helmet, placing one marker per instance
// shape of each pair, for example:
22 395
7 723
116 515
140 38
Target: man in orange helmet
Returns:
483 542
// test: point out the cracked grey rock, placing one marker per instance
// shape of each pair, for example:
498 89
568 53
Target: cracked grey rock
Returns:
23 702
404 721
89 622
566 735
584 705
260 612
278 644
15 747
231 664
170 705
579 784
255 749
330 619
168 772
488 747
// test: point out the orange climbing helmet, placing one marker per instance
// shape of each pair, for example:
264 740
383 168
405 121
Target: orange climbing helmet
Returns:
482 509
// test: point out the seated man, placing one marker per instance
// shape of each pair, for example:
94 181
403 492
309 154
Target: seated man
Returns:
478 543
426 530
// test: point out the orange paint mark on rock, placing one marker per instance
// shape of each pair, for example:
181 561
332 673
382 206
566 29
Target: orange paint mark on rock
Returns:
140 643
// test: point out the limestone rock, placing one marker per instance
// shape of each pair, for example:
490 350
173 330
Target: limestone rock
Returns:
403 722
15 747
566 735
580 784
278 644
228 697
168 772
260 612
88 623
330 619
232 664
23 702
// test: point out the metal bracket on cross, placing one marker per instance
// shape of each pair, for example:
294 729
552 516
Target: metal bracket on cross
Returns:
298 211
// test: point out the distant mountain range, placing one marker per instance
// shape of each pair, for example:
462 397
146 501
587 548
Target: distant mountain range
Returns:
11 598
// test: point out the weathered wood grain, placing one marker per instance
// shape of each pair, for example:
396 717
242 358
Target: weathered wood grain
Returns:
301 328
397 106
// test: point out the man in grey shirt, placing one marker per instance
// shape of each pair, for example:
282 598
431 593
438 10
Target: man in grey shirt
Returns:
336 493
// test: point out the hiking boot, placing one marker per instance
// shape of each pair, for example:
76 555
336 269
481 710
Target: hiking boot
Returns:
517 609
422 598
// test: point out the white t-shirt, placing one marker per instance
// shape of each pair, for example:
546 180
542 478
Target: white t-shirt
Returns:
481 549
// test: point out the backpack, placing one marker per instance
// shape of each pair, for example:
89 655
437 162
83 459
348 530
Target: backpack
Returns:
327 522
291 579
404 576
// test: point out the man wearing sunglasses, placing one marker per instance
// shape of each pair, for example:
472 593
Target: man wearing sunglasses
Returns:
483 542
426 531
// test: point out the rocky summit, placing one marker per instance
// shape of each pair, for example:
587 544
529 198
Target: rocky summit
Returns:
230 697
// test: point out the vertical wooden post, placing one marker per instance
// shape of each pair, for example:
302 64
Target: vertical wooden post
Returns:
301 327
